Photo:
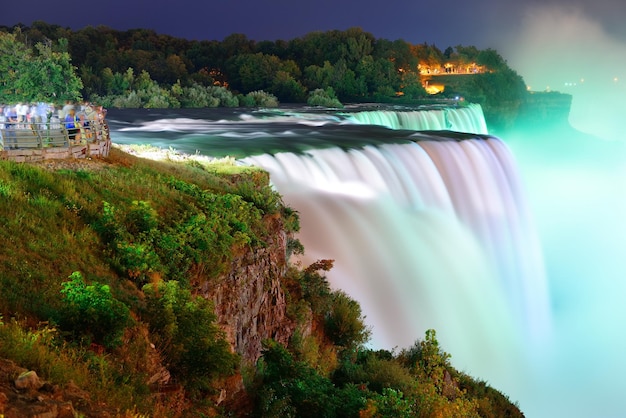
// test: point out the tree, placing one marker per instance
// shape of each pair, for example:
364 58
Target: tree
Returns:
12 54
44 73
286 88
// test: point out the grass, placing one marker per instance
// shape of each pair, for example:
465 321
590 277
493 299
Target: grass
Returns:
48 226
47 216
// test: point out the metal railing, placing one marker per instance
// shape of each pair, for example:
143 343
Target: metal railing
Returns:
53 133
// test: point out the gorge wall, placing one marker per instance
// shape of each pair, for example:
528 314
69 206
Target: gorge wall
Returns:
250 302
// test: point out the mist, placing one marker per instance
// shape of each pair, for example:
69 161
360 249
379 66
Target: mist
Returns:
575 180
559 48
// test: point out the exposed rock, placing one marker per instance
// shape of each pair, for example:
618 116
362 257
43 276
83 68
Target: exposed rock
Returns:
28 380
3 401
75 394
249 301
161 377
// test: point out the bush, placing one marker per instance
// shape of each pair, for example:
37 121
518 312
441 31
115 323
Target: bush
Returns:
259 99
185 331
325 98
294 389
226 97
390 403
90 311
344 323
141 244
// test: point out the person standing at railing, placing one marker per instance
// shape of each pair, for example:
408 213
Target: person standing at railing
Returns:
90 121
22 111
101 128
72 124
11 123
2 126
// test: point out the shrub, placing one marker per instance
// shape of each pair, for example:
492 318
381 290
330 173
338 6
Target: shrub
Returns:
226 97
90 311
293 388
141 244
344 322
315 288
259 99
325 98
185 331
390 403
130 101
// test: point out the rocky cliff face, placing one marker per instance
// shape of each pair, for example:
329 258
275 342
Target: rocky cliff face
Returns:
542 109
249 300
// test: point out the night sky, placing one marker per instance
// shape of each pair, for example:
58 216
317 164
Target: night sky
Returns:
483 23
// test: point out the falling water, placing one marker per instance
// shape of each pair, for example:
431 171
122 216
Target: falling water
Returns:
427 229
467 119
432 234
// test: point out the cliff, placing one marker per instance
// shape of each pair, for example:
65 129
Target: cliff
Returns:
137 288
544 109
249 298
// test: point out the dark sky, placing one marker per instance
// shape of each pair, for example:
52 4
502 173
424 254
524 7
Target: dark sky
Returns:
483 23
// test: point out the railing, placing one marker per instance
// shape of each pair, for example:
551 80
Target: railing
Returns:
54 133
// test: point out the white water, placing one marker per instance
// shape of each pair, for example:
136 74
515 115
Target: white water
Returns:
467 119
435 234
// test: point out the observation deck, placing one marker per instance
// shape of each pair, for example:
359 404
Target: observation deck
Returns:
39 141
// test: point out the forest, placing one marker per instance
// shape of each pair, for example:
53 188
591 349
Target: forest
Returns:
141 68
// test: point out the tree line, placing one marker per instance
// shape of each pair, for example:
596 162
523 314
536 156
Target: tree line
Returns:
141 68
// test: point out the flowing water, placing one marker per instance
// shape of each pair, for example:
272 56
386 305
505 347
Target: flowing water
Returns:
428 221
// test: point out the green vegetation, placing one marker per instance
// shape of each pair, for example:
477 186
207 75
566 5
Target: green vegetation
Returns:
36 73
142 69
184 328
98 281
91 311
324 98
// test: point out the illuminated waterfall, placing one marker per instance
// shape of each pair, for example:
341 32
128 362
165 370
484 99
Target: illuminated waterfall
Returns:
427 229
460 119
431 234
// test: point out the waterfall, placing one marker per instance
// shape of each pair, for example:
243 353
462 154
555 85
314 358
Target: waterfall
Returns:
432 234
427 229
467 119
435 233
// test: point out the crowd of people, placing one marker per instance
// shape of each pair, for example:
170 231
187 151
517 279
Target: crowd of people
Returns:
82 121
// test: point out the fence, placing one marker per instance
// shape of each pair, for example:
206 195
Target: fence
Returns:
34 141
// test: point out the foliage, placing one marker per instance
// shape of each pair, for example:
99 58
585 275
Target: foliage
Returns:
185 331
325 98
198 96
345 323
89 310
294 389
59 222
42 349
42 73
142 246
142 69
259 99
389 403
315 288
